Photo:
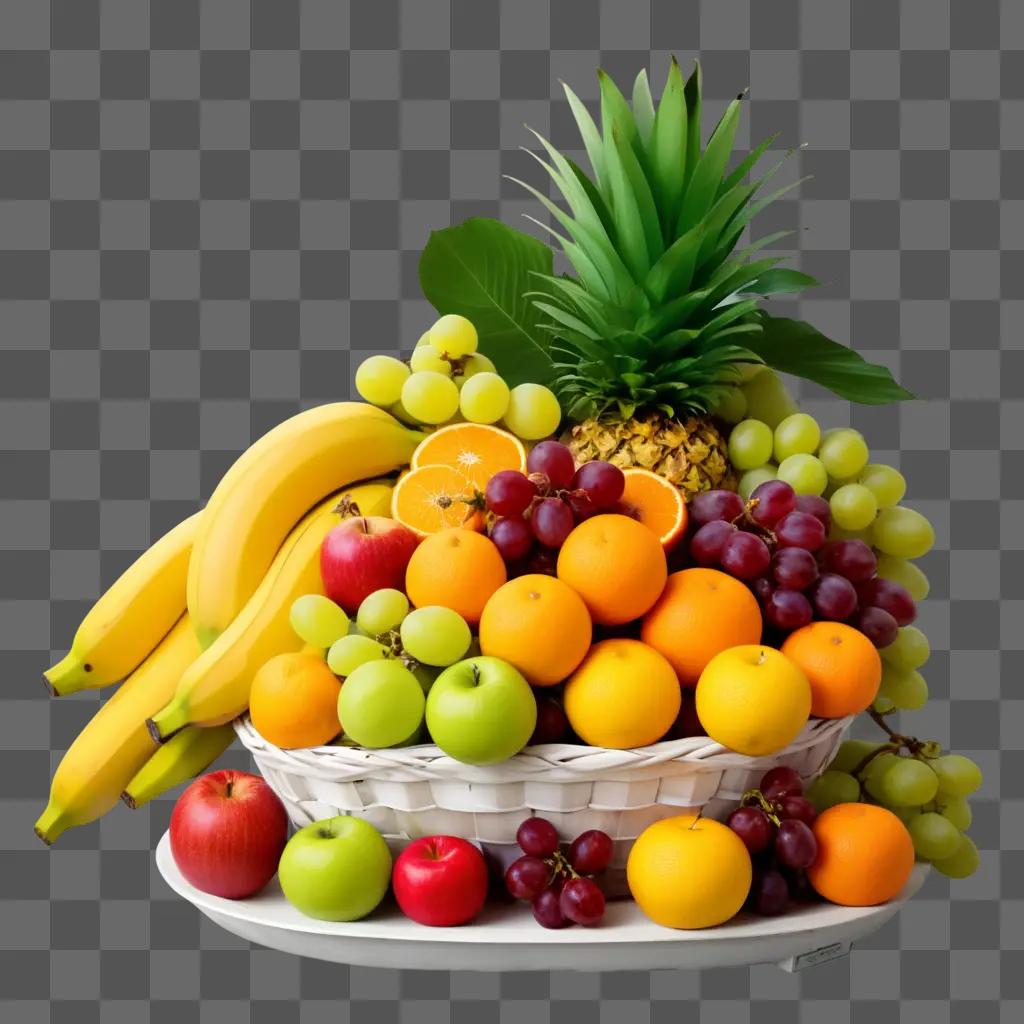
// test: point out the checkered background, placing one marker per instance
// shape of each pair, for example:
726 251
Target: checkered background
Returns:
211 211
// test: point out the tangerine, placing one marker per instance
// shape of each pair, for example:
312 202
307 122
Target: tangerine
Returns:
475 450
434 498
293 701
655 502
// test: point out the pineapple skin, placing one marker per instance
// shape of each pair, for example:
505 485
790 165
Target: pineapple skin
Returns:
691 453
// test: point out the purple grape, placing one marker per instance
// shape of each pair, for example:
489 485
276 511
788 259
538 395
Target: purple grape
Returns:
707 543
555 461
771 501
889 596
833 597
591 852
581 505
745 556
769 893
763 588
850 558
552 724
602 481
795 845
794 568
816 506
543 561
788 610
877 625
713 506
509 493
537 837
581 901
800 530
512 537
798 807
779 782
527 878
552 521
752 825
547 910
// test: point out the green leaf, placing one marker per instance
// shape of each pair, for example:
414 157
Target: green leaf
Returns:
628 221
793 346
781 281
746 165
692 93
707 176
590 135
643 107
668 149
482 269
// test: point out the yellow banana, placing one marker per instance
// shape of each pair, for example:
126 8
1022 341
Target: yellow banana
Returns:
264 494
181 758
116 742
131 618
215 688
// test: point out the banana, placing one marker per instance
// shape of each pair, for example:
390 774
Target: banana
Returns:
131 618
181 758
215 688
271 486
116 742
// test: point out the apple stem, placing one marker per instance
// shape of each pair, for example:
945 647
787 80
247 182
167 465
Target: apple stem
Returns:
229 787
476 674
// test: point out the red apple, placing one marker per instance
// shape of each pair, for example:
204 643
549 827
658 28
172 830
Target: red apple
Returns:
227 833
362 555
440 880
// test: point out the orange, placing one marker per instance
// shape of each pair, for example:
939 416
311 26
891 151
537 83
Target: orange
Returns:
434 498
616 565
840 662
865 855
538 624
624 695
701 612
657 503
458 569
293 701
476 450
753 699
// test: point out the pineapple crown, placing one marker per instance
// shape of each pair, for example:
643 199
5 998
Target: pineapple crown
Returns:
661 305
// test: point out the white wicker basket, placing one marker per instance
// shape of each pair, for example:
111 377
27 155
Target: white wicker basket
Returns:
408 792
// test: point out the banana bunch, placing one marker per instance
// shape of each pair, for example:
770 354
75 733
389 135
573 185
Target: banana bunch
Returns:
189 623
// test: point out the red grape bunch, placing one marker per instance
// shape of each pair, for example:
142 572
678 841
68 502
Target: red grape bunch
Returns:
535 511
777 544
559 886
774 823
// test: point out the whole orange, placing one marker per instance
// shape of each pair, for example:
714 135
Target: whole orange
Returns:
865 855
538 624
841 664
700 613
458 569
624 695
616 565
293 701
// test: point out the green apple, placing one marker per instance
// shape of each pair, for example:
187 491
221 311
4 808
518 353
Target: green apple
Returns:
335 870
381 704
481 711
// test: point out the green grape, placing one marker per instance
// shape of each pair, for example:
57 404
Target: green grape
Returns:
471 365
750 444
885 483
838 533
426 358
875 771
833 788
804 473
909 650
882 704
533 412
851 753
853 507
904 689
484 398
453 335
958 775
317 620
908 783
753 478
935 838
382 610
798 434
732 407
844 453
961 864
431 397
957 810
903 532
379 379
435 635
906 814
425 676
424 339
899 570
349 652
768 400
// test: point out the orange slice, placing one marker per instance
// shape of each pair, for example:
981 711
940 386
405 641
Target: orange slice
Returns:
434 498
657 503
475 450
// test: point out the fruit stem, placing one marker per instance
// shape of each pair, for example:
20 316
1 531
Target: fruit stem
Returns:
921 749
347 508
754 797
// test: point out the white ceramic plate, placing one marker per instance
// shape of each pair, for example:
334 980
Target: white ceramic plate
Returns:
506 938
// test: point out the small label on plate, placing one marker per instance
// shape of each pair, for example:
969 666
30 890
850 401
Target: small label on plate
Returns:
818 956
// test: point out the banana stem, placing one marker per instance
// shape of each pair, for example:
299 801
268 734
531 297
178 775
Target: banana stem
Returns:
68 676
52 823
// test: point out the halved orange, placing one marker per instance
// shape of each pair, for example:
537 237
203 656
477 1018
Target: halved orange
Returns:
475 450
657 503
433 498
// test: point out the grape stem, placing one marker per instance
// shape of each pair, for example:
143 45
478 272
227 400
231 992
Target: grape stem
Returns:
920 749
755 798
391 640
768 535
